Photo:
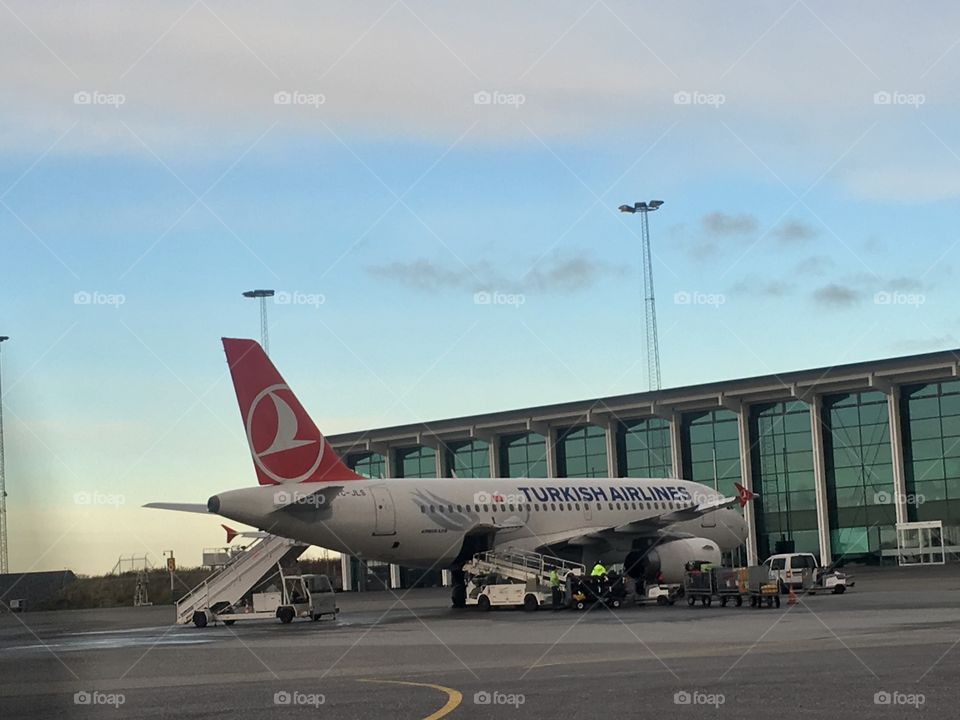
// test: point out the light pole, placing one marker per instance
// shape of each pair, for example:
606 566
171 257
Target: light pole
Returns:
653 346
262 295
4 556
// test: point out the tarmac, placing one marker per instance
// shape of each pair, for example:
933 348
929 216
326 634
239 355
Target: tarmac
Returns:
886 648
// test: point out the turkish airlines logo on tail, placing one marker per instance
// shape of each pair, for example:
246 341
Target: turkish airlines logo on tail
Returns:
274 434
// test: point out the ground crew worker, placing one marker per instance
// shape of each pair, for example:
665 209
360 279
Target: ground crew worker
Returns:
555 592
598 570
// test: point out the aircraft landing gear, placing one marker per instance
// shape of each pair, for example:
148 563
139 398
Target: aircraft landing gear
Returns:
459 595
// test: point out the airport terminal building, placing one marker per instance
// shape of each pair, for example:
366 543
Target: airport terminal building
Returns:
839 455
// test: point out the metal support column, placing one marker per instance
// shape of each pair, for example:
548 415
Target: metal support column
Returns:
493 456
610 428
820 478
896 454
676 456
346 573
746 473
550 438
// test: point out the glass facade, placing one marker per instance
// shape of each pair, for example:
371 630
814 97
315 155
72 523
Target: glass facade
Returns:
930 416
523 456
582 452
711 449
781 459
418 462
710 446
859 474
643 449
469 459
370 465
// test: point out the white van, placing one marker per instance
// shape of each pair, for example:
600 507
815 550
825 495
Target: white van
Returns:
801 571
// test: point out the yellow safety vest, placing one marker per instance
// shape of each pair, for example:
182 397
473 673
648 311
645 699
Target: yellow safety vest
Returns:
598 570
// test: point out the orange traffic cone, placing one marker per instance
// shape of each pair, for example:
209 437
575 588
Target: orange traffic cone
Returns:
791 596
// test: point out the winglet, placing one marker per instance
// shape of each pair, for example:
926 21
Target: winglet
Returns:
743 495
231 533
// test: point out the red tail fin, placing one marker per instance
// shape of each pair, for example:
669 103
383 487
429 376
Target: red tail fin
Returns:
743 495
285 444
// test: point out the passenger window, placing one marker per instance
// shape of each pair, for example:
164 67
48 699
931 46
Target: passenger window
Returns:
553 506
778 563
486 508
577 505
459 508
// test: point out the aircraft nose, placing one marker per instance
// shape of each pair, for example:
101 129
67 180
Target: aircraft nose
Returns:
213 504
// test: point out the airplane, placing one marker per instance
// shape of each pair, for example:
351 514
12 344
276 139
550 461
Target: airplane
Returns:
654 526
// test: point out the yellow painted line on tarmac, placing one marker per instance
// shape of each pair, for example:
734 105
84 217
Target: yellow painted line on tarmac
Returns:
454 697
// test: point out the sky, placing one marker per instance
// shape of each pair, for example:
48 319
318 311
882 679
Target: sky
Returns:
432 189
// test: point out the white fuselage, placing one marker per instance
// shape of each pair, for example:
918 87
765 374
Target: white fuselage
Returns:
423 522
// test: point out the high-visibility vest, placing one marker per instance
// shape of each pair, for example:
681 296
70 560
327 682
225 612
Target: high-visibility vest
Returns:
554 580
598 570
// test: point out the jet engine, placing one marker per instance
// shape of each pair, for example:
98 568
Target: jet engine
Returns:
669 559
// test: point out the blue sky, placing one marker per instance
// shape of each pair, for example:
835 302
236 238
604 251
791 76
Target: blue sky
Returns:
815 165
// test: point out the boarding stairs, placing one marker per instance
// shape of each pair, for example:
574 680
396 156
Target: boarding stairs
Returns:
239 576
521 565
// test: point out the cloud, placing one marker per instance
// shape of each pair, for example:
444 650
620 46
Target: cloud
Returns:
550 274
834 295
814 266
765 288
906 284
794 231
421 274
720 223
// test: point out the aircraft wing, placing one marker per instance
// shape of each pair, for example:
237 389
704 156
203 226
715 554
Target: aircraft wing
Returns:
655 527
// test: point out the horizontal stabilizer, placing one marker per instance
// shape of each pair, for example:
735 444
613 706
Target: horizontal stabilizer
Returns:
181 507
